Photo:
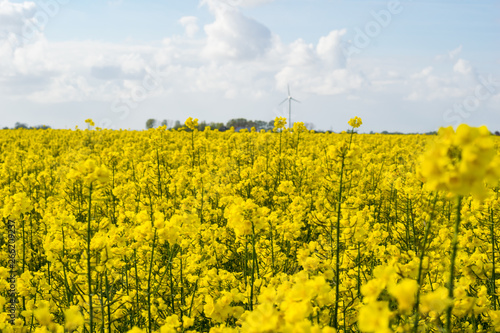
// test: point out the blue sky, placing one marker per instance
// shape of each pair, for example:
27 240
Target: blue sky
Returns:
400 65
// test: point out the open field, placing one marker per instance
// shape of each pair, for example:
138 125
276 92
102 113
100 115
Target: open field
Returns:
284 231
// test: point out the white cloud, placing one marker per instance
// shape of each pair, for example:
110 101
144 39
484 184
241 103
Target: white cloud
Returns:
190 24
424 73
68 87
451 55
250 3
319 69
14 20
462 67
329 50
235 3
237 56
455 53
235 36
233 56
429 85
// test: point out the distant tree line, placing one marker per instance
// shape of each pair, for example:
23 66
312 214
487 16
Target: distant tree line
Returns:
401 133
19 125
237 123
241 123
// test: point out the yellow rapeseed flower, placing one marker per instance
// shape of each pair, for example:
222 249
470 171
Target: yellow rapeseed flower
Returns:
460 162
299 127
42 314
495 318
90 122
265 318
73 318
279 123
355 122
191 123
374 317
436 301
405 292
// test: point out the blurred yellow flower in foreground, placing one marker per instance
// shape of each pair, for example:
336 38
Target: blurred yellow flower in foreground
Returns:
73 318
405 292
460 162
374 317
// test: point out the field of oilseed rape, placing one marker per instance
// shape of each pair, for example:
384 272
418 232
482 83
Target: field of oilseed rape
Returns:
280 231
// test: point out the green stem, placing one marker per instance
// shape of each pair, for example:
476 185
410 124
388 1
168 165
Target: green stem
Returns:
421 257
280 160
66 284
108 303
24 256
454 247
359 271
171 263
192 297
192 149
254 264
272 249
102 304
337 250
137 304
183 301
150 320
493 273
89 272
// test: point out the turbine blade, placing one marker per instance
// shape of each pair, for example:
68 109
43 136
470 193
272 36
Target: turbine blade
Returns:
293 99
288 89
286 99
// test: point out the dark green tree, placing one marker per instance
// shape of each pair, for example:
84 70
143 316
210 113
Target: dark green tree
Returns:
150 123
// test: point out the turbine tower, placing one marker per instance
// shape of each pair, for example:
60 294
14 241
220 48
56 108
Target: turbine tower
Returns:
289 99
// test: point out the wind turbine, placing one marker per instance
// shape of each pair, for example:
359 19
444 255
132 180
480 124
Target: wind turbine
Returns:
289 99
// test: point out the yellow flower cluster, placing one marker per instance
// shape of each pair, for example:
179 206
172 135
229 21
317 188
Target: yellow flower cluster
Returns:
460 162
299 127
89 172
191 124
279 123
90 122
295 231
355 122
